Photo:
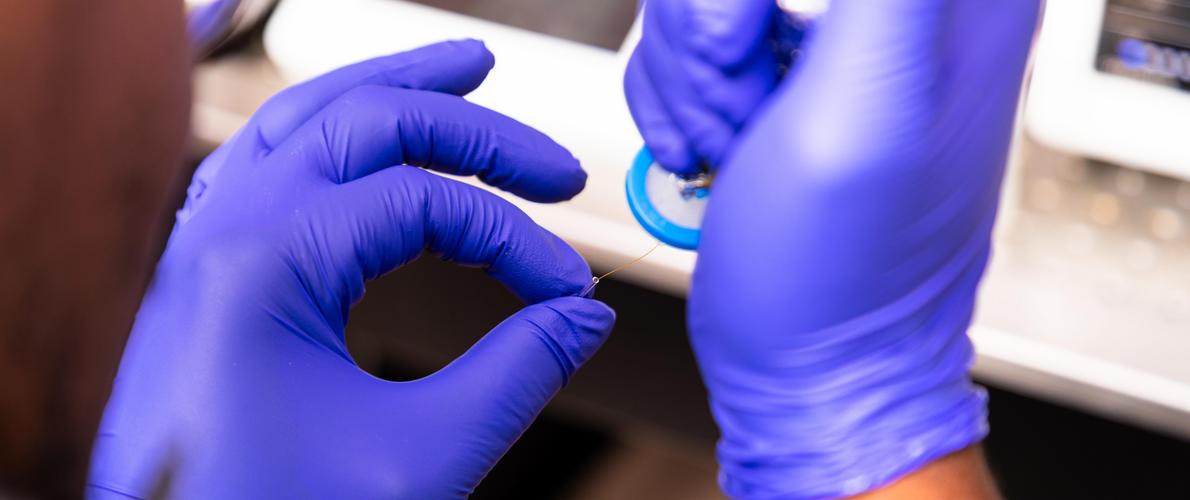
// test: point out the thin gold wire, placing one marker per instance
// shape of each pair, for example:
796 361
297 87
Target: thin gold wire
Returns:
596 279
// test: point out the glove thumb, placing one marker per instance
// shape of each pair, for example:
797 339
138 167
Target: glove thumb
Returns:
509 375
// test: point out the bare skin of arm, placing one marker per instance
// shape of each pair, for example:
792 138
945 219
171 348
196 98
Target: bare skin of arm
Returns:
962 475
93 121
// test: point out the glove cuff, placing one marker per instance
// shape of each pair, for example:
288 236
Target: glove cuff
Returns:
815 464
856 407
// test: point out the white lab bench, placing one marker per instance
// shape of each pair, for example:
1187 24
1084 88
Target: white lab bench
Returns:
1086 303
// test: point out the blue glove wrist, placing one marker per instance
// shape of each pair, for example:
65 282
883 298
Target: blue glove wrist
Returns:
867 402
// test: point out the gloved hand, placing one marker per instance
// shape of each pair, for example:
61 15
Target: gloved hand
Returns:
701 69
844 241
236 382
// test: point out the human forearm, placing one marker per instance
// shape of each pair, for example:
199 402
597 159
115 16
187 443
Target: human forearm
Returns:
960 475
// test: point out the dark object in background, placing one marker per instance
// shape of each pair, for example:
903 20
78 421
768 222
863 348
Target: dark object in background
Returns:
422 316
1041 451
645 377
1146 40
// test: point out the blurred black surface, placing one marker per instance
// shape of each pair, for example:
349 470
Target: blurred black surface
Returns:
424 315
1041 451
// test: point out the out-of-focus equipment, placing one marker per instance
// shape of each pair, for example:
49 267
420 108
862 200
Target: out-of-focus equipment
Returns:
1112 80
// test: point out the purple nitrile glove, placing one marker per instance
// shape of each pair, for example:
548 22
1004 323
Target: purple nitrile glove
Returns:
236 381
701 69
846 234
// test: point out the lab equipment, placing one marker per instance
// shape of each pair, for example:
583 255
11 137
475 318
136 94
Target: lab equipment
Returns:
844 245
1111 83
670 205
236 381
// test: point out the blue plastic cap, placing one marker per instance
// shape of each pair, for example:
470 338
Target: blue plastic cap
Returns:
647 215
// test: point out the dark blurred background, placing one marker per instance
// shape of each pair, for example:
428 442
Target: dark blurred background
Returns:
633 424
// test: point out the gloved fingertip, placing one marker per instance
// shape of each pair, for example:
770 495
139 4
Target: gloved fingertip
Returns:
593 313
577 326
588 292
473 55
539 266
474 47
516 368
673 156
558 176
573 273
572 179
469 42
713 151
